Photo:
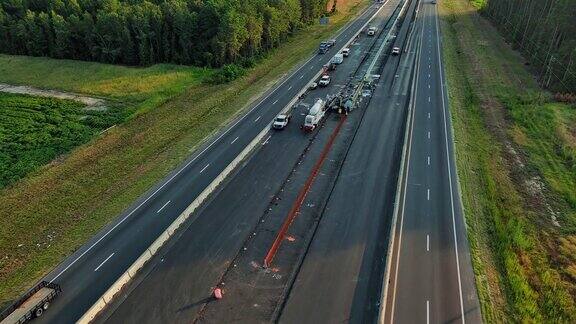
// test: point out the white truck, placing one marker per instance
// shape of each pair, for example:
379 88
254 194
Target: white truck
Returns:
281 121
338 58
315 115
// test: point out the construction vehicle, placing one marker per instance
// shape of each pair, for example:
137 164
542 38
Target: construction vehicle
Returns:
314 116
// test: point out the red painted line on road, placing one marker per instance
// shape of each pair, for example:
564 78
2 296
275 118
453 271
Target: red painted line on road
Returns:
301 196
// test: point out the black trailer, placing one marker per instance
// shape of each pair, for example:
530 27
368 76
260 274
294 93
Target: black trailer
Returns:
32 304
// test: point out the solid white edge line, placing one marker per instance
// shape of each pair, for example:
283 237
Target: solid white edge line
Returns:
166 204
440 68
428 242
101 264
344 29
393 302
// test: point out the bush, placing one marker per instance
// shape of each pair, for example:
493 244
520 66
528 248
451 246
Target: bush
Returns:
226 74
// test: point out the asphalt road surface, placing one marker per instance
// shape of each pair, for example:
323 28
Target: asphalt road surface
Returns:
431 279
340 279
92 269
182 279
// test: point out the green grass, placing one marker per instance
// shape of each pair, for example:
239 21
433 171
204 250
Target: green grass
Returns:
144 87
69 200
33 131
522 262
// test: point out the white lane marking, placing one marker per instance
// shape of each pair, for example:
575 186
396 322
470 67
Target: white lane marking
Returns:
166 204
428 115
393 303
266 140
340 33
428 242
429 100
449 171
428 74
428 160
257 119
311 67
427 312
101 264
427 194
428 86
301 76
204 168
234 140
275 101
428 135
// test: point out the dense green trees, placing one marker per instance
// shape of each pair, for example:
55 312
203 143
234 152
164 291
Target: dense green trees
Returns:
545 30
142 32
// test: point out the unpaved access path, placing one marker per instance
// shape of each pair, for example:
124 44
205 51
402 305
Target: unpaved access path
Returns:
90 102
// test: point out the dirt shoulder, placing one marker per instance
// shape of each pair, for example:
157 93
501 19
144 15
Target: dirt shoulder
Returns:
90 102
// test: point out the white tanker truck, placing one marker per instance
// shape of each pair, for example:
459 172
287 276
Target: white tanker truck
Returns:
315 115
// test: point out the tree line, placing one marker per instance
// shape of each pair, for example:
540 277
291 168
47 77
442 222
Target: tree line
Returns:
144 32
545 31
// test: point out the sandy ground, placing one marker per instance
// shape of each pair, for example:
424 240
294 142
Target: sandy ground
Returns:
91 103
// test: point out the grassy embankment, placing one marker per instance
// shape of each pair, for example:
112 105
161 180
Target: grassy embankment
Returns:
516 157
34 131
69 200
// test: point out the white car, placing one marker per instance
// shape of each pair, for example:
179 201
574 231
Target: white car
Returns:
281 121
324 81
313 86
371 31
346 52
396 51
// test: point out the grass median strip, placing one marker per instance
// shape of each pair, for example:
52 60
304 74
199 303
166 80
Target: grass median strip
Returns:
69 200
515 153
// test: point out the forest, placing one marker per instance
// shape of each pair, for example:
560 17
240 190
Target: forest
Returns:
545 32
144 32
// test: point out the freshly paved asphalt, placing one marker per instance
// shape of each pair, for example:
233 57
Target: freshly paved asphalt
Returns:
341 277
431 278
93 268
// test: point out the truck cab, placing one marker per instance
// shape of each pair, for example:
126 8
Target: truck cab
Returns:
281 121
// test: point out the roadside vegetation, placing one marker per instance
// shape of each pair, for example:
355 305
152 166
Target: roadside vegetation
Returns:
143 32
73 197
34 131
545 33
516 157
131 87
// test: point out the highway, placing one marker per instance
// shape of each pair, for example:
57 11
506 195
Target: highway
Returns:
431 278
340 279
234 229
87 274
